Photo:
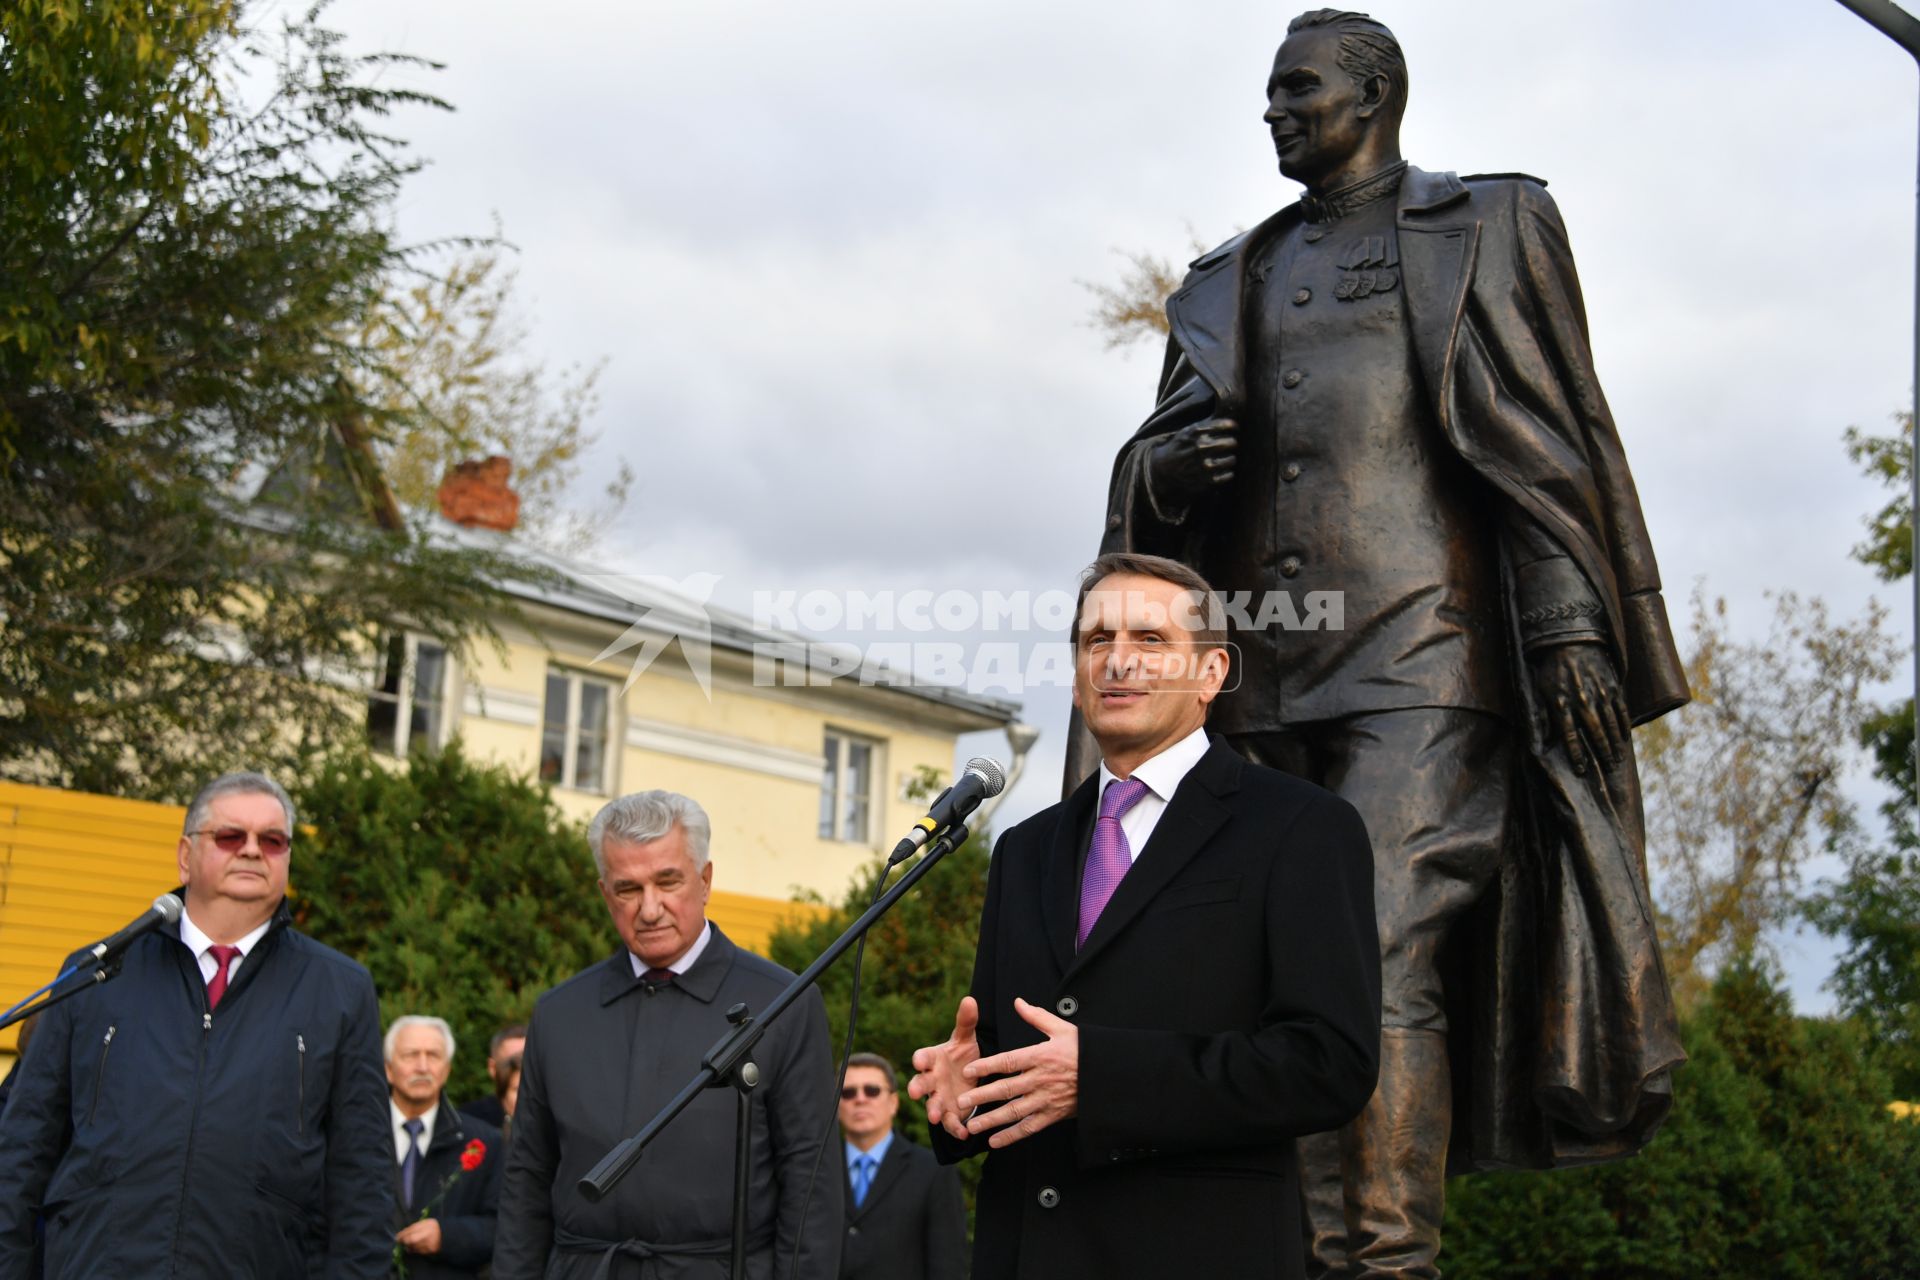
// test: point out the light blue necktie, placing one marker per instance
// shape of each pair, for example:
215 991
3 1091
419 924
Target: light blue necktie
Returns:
862 1179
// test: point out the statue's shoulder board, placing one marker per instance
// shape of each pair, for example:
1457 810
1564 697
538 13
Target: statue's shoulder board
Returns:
1502 177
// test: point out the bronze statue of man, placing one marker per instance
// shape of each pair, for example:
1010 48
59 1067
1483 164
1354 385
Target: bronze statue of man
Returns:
1386 391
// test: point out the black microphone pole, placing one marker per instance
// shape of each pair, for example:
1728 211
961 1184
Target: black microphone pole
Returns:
729 1062
100 961
75 980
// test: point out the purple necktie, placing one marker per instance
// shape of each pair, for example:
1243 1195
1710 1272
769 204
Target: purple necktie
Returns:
1110 856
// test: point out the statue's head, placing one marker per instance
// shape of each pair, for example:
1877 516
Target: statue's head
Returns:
1339 83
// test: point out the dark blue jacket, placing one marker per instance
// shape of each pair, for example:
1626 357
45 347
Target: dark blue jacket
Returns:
161 1139
464 1203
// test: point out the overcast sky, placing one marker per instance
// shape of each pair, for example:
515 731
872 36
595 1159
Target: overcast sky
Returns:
832 254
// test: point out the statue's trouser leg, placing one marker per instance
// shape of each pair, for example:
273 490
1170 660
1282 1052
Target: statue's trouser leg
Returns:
1433 785
1323 1200
1395 1158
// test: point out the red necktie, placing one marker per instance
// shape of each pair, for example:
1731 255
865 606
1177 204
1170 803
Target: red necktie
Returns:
218 987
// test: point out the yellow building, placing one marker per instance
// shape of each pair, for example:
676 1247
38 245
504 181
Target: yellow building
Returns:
608 684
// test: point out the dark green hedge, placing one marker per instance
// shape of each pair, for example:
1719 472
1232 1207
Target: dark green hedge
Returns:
1780 1160
460 886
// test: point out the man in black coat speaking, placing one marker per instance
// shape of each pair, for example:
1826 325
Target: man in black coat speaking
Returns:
217 1110
610 1046
1178 973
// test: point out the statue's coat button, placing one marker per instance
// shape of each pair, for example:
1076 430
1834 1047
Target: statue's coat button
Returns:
1302 297
1293 378
1290 472
1290 566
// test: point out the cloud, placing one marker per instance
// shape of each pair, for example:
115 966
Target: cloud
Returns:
832 251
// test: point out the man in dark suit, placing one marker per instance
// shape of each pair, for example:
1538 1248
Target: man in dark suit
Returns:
607 1048
446 1173
1146 1037
906 1218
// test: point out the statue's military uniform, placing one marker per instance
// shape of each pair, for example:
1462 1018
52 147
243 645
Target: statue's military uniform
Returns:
1417 436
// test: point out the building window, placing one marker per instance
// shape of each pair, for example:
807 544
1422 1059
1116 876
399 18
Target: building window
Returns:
846 788
407 708
575 732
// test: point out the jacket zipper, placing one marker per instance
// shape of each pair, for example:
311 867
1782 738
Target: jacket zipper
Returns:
301 1127
193 1120
100 1077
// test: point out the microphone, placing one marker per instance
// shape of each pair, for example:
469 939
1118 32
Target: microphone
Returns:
165 910
983 778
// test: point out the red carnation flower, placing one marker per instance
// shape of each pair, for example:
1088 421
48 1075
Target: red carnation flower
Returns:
471 1158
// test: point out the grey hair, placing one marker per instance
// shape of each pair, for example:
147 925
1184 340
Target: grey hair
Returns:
649 815
244 783
406 1020
1367 48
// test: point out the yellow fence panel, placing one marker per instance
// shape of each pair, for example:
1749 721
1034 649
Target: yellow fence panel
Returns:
73 868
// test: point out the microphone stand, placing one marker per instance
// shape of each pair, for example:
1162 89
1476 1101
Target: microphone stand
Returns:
99 973
729 1062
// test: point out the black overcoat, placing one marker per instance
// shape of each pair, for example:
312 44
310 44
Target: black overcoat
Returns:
1228 1000
604 1053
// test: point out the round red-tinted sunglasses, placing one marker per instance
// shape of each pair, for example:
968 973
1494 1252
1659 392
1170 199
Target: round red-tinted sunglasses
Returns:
851 1091
234 839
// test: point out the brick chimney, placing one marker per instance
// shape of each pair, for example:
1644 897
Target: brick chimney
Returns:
475 494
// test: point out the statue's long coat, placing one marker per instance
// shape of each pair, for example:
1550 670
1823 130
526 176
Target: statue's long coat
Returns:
1562 1022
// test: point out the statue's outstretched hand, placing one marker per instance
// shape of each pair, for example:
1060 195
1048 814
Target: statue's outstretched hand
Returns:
1579 688
1190 461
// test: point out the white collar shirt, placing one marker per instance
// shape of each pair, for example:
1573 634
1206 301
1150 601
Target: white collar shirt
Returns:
202 947
402 1139
685 962
1162 774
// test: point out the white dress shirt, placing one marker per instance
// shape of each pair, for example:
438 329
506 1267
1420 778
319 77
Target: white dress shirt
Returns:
1162 774
402 1139
685 962
202 947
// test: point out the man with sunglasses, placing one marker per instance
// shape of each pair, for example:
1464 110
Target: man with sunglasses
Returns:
906 1219
219 1109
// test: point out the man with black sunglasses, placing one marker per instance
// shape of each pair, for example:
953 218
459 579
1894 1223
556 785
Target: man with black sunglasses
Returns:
219 1109
906 1219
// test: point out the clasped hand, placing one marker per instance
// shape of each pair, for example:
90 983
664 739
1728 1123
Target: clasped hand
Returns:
1586 709
1037 1085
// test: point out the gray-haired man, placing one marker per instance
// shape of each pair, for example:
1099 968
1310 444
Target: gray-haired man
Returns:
608 1047
218 1109
446 1163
